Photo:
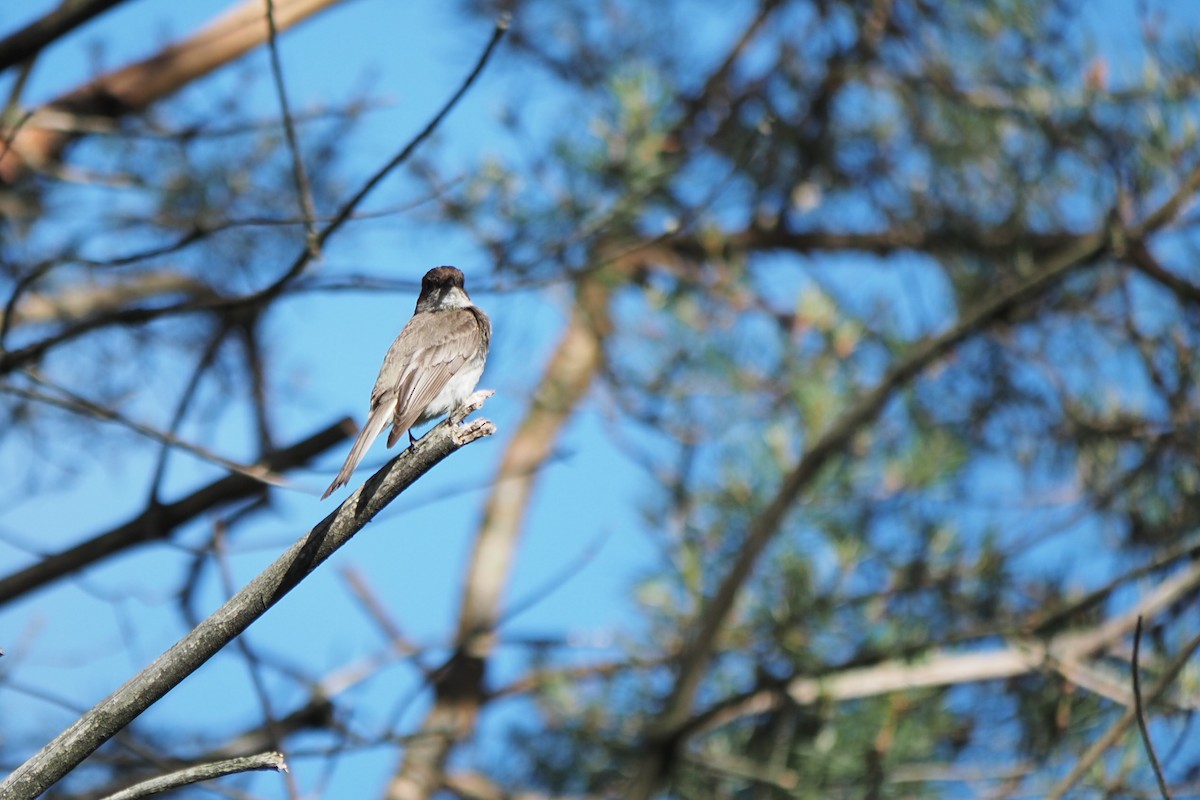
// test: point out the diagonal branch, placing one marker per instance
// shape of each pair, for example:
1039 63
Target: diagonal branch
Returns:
187 655
1099 747
29 41
1065 654
75 403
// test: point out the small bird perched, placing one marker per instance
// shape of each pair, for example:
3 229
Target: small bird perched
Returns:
431 368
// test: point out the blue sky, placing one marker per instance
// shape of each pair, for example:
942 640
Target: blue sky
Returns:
330 347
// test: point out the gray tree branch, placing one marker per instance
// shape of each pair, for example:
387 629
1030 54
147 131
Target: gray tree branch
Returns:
201 772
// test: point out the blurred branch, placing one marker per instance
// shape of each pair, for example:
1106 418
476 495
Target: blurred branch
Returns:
136 86
124 705
75 302
471 785
1064 654
77 404
717 83
202 772
207 129
1144 262
303 187
158 521
539 679
901 238
29 41
377 612
206 360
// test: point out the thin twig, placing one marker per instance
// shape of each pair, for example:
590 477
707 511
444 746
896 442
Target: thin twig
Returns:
501 27
554 582
202 772
1140 711
207 358
303 186
377 611
21 285
347 209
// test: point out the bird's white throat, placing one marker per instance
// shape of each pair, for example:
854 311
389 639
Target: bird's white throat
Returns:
454 298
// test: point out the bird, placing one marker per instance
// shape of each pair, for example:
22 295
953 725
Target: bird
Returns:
431 368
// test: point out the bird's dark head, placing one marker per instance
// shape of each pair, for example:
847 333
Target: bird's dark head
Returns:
442 288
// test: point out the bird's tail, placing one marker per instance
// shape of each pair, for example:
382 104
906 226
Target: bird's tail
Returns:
378 420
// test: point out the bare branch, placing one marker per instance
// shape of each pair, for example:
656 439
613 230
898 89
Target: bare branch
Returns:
1064 654
202 772
75 302
77 404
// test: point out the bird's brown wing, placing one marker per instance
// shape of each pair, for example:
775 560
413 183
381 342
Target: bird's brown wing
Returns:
429 351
